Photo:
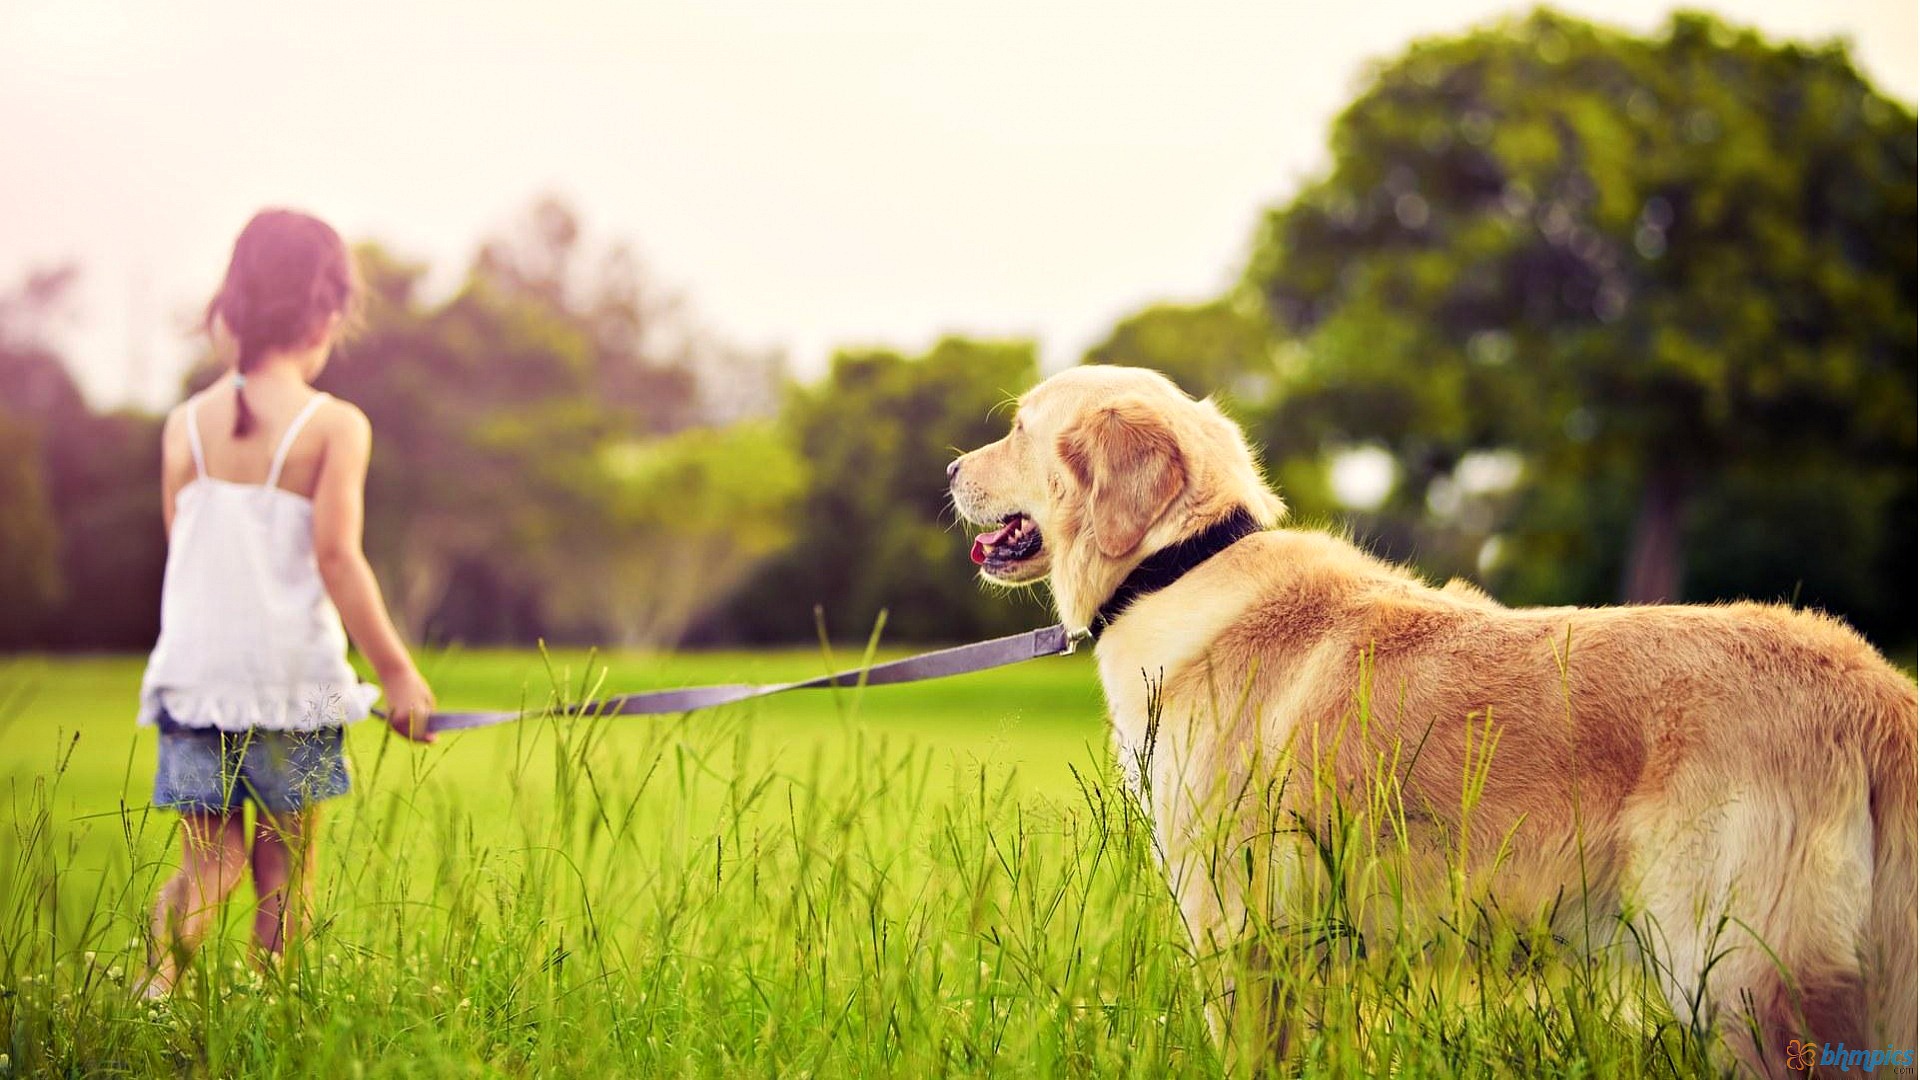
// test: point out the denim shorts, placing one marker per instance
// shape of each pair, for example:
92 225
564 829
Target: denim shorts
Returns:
212 771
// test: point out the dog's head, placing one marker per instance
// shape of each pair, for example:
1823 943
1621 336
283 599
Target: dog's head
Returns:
1104 466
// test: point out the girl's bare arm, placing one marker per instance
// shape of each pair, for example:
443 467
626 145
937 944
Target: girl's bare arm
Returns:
176 463
339 514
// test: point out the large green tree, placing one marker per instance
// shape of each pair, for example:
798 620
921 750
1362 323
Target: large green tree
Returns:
1662 269
875 530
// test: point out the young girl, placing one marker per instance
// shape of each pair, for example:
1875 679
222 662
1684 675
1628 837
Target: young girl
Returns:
262 484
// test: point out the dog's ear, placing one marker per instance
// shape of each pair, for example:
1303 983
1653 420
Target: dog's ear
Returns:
1128 461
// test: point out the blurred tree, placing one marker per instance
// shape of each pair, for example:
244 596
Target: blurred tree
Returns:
655 365
1223 348
684 520
35 392
874 529
30 581
82 542
1654 267
542 261
105 489
486 430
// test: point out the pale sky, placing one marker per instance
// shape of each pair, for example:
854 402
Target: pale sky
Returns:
810 175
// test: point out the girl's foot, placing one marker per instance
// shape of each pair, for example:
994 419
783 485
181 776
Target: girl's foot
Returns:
157 987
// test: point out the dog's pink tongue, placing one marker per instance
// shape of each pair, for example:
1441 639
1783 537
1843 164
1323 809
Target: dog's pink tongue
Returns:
987 539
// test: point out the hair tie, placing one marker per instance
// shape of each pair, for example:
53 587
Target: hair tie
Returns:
239 381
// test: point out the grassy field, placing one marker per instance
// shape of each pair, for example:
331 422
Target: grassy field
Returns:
909 881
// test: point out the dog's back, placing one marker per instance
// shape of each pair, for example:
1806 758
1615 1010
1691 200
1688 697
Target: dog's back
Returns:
1771 833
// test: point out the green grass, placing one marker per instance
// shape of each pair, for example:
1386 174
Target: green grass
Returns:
938 879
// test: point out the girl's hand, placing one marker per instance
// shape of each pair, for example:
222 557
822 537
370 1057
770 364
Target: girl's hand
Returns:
409 703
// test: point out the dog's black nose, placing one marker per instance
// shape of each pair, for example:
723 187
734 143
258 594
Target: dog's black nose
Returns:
953 468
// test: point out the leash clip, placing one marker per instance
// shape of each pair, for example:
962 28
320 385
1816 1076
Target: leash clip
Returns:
1075 637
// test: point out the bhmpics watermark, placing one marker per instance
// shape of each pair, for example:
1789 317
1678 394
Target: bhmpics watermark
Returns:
1807 1056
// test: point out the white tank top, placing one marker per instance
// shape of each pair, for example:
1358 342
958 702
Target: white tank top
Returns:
248 636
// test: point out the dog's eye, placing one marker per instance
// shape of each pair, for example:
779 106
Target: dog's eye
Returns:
1019 426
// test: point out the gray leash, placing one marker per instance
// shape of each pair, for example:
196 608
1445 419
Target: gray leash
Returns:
1053 640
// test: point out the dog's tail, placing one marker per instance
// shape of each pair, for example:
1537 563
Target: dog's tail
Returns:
1893 1002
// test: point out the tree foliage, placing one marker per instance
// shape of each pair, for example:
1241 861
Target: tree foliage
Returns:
682 522
874 530
30 578
82 539
485 430
1652 266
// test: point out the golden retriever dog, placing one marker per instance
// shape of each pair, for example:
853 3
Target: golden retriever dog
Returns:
1731 787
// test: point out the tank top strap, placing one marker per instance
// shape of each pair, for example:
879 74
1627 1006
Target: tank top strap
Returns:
193 438
293 432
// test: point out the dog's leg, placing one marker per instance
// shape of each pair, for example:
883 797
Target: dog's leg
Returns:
1255 1012
1249 1008
1751 905
1234 868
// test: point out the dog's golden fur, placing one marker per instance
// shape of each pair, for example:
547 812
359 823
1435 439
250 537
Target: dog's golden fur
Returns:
1669 764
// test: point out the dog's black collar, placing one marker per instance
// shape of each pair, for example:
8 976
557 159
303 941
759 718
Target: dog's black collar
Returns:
1168 565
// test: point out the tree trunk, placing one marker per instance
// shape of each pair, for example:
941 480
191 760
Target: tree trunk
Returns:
1654 561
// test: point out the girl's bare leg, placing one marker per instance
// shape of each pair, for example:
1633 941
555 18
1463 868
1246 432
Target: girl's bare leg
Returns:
283 858
213 855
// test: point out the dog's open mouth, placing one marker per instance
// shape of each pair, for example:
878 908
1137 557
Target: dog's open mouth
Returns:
1014 542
